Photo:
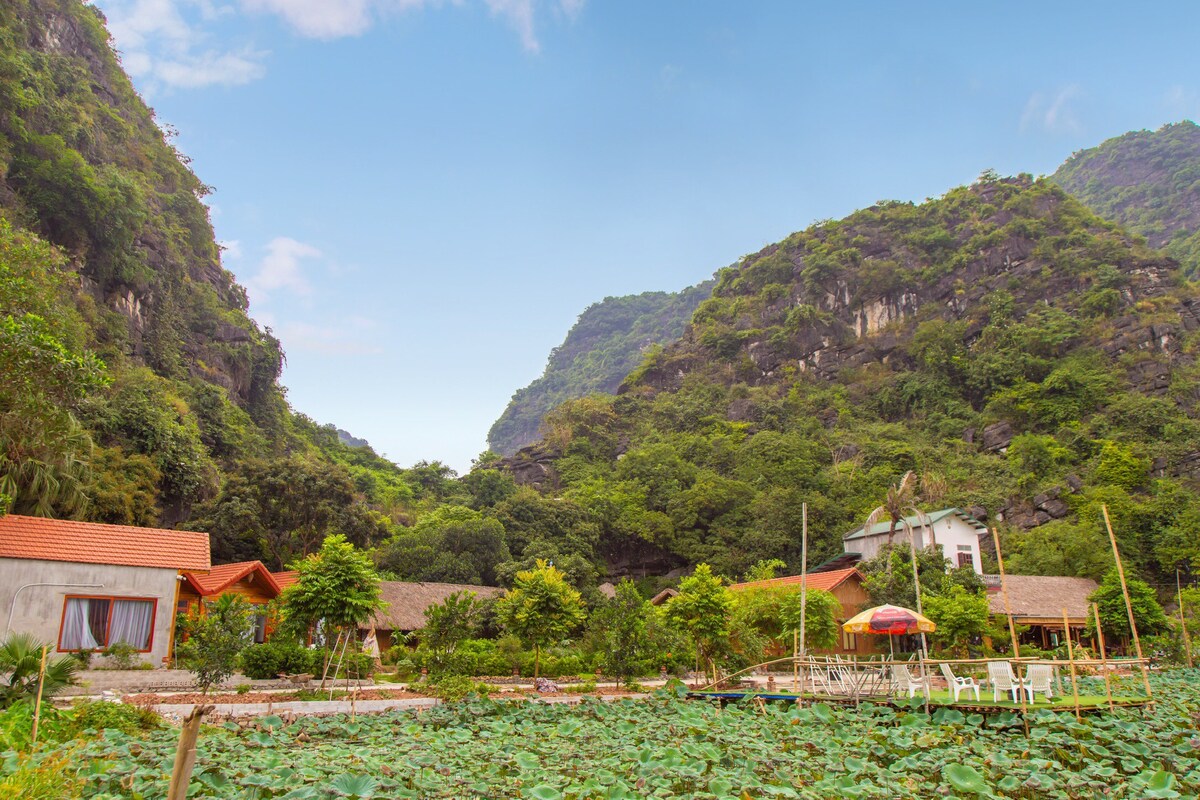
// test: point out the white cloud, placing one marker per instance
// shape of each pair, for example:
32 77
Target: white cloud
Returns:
319 19
349 337
281 269
231 249
519 14
1051 113
165 43
1183 102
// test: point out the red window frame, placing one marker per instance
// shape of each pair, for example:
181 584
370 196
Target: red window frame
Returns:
108 625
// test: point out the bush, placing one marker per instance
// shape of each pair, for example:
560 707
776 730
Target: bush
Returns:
265 661
103 715
123 655
456 687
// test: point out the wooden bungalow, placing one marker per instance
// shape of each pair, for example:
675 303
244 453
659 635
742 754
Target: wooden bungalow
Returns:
844 584
407 602
250 579
1038 601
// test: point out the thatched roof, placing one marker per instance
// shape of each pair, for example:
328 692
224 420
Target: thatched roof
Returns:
1042 597
407 602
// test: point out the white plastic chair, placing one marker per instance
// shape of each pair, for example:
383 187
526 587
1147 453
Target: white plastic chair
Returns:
1040 676
902 679
1002 678
958 685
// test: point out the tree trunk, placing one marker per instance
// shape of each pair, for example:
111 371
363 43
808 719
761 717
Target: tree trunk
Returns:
537 662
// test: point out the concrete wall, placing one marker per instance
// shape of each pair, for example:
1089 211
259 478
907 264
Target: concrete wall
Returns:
949 532
38 610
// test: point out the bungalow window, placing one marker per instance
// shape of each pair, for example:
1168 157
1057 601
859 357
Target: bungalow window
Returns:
96 623
965 556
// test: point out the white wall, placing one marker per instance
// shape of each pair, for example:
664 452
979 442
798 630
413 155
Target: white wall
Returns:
949 533
38 610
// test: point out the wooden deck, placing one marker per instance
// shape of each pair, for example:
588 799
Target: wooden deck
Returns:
1089 705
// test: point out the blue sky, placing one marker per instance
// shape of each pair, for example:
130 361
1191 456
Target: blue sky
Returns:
422 196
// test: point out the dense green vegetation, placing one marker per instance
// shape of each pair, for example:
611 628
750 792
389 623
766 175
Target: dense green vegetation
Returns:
137 389
1008 299
609 339
661 747
1148 181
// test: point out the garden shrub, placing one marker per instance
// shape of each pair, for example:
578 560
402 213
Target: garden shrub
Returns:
268 660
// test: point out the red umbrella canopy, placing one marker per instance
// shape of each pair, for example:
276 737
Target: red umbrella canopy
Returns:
889 620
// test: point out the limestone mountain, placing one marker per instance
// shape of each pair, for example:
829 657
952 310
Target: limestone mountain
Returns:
1032 359
138 390
608 340
1149 181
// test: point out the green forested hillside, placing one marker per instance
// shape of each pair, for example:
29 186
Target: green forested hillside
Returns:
1030 359
609 339
137 390
1148 181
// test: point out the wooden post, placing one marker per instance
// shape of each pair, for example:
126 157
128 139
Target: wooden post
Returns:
1137 643
1187 642
1103 658
912 548
1012 628
325 672
185 754
1071 658
37 708
804 572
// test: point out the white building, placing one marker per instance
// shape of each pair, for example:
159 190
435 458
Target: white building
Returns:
87 586
952 530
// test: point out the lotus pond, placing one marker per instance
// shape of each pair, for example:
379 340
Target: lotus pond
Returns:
670 747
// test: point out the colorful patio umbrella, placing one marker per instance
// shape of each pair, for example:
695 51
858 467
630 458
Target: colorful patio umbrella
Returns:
890 620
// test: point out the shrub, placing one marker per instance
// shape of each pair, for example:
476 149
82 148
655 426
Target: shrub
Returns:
20 664
456 687
122 655
103 715
264 661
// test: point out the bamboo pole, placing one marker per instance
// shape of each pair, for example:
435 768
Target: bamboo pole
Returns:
37 708
325 672
912 548
185 754
1012 628
1137 642
1187 642
1103 658
800 644
1071 658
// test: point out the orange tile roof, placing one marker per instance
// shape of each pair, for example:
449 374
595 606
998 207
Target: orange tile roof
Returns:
816 580
285 579
96 543
222 576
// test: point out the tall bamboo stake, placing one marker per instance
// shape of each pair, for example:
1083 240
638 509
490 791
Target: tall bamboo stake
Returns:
1137 643
1187 642
37 708
185 754
1012 628
1103 658
801 646
912 548
1071 658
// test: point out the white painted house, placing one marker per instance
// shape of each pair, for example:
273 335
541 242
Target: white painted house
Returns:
87 586
952 530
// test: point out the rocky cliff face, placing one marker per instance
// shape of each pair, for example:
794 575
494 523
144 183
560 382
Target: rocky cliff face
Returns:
792 309
1148 181
83 164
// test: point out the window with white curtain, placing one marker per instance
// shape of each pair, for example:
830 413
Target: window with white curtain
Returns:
95 623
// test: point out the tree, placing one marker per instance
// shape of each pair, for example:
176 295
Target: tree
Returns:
888 577
338 584
625 634
703 608
959 615
448 623
898 500
821 610
453 544
541 609
214 638
20 664
1148 614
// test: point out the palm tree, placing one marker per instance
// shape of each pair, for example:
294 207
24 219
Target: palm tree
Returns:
20 663
899 499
